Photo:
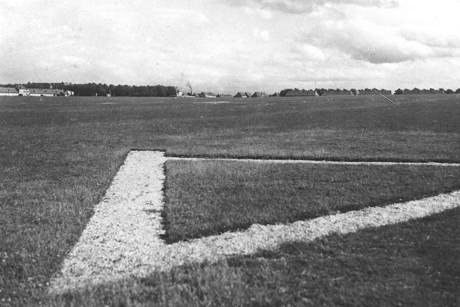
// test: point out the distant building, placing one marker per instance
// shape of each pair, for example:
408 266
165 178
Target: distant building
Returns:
8 91
224 95
206 95
24 92
241 95
296 93
45 92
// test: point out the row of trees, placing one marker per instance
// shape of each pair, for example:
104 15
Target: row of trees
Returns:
93 89
320 91
448 91
399 91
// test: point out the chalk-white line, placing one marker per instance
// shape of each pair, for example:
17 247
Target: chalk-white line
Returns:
291 161
122 239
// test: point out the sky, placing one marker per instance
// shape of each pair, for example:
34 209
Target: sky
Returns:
225 46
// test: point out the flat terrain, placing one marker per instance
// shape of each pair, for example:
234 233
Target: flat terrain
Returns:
212 197
59 155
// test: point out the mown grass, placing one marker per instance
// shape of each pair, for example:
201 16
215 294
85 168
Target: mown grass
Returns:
210 197
415 263
58 155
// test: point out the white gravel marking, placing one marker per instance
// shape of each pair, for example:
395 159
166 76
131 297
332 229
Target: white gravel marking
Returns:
122 239
125 227
290 161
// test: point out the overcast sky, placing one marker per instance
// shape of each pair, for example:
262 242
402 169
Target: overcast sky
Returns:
233 45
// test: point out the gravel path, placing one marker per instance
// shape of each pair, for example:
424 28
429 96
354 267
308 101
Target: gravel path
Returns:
122 238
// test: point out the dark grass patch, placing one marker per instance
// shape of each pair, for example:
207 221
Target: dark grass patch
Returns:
416 263
58 155
210 197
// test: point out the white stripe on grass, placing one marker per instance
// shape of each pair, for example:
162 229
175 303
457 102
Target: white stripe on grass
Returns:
291 161
122 239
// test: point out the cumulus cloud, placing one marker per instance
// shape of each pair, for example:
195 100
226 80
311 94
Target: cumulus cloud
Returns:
430 36
377 42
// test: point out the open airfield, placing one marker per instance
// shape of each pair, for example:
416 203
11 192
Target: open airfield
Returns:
59 157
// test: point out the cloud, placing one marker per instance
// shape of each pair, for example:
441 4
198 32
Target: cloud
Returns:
262 34
305 7
258 12
366 40
308 52
430 36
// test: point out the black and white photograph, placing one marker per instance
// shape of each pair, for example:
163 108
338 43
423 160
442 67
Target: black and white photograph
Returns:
229 153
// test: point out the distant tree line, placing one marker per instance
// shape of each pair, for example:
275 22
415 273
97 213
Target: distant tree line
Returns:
399 91
448 91
98 89
320 91
93 89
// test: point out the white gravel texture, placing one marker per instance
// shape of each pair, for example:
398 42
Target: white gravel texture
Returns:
122 239
289 161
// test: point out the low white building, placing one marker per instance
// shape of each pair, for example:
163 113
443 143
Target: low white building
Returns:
8 91
45 92
24 92
206 95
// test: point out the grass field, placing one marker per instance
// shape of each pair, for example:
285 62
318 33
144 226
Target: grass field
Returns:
211 197
410 264
58 155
